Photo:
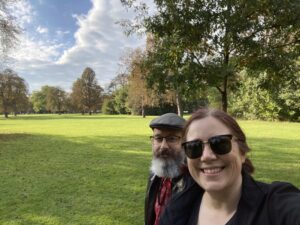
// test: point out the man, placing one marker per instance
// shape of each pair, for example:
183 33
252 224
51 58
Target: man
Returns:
168 169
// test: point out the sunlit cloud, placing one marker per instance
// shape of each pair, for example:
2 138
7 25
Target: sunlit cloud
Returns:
42 30
99 42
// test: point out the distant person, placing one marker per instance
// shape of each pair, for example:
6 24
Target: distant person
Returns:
168 165
224 192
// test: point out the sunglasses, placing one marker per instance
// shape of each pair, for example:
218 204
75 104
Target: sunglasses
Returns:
220 145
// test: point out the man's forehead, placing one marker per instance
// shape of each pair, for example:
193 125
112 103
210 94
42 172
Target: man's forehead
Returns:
166 131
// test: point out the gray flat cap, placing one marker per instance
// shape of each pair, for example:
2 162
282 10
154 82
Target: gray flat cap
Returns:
169 121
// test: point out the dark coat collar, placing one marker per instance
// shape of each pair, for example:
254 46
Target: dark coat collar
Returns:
183 204
252 196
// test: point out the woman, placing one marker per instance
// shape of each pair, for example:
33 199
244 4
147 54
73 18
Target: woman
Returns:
223 191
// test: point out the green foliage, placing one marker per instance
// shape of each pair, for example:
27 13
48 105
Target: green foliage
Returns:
75 170
165 69
255 99
117 102
210 42
108 106
121 99
56 100
49 99
288 99
254 102
38 100
214 98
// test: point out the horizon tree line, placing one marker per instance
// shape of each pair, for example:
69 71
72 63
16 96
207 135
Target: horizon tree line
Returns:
198 53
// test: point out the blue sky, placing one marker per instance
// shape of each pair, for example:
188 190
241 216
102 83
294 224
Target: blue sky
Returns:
62 37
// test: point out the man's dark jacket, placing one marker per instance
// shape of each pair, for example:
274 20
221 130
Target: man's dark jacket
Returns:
178 185
260 204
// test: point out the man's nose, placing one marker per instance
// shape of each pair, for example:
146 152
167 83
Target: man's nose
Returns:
164 144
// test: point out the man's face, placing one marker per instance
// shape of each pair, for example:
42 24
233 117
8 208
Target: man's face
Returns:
168 155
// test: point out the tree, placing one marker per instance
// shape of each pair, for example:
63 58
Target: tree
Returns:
288 100
165 70
13 92
39 99
256 99
49 99
215 40
140 96
118 82
76 96
86 93
69 106
253 101
108 106
9 29
56 100
120 99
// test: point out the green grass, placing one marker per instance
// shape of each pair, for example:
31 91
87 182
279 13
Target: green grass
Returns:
84 170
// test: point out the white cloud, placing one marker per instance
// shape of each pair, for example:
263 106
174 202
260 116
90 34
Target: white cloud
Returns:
42 30
23 12
61 33
99 40
99 44
32 50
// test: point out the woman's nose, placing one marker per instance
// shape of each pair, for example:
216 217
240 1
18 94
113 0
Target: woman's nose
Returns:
207 153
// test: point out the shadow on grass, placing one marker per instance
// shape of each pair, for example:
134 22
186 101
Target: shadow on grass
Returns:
54 180
12 137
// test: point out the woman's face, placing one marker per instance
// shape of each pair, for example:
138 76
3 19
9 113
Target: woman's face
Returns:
214 173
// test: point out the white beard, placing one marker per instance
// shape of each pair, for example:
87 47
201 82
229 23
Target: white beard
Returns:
169 168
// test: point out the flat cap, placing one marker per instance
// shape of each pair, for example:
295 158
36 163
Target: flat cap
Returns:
169 121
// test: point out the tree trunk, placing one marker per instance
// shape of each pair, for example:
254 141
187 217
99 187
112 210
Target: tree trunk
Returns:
225 82
6 114
179 105
143 109
224 94
224 101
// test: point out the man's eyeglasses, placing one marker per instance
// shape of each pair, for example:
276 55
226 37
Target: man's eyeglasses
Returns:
169 139
220 145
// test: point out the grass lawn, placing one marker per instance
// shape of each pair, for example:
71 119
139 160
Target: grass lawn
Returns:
84 170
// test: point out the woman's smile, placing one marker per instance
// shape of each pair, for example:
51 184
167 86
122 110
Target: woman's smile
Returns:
212 170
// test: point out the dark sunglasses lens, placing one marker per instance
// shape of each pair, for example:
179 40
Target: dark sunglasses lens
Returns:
221 145
193 149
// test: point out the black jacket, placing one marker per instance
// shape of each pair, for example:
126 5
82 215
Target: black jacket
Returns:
178 185
260 204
